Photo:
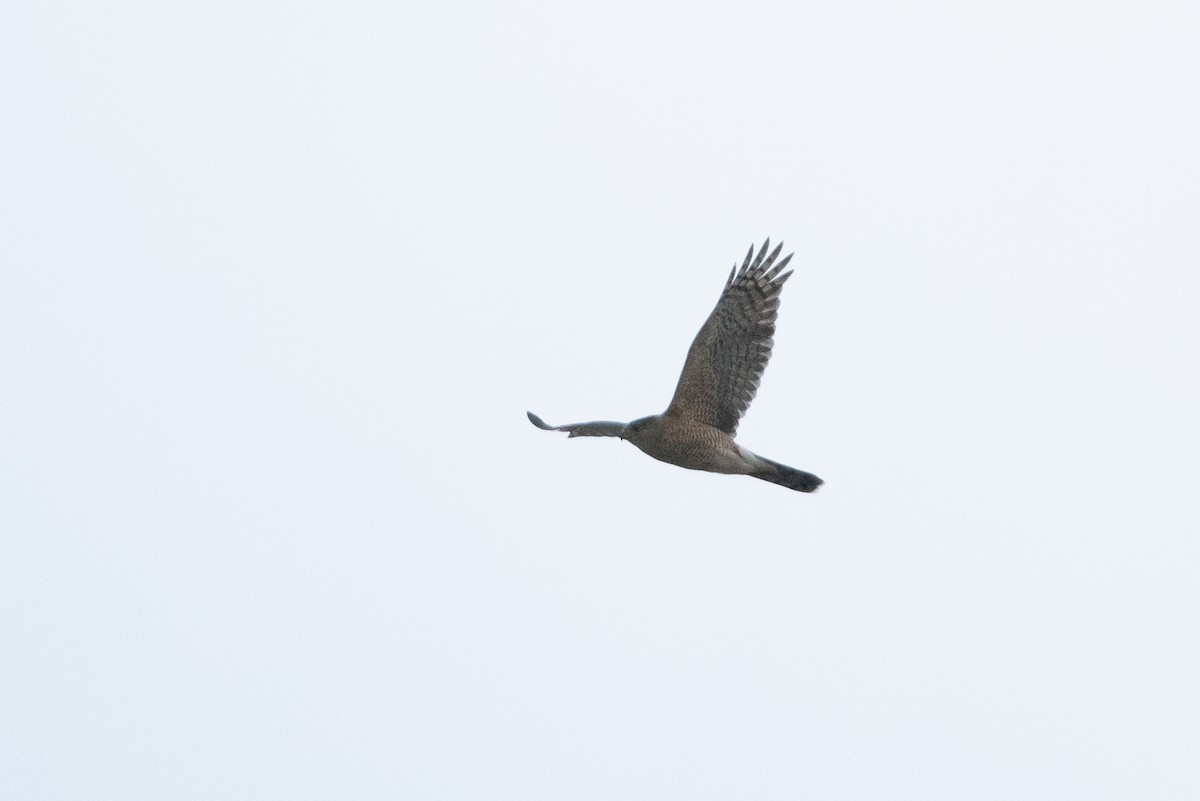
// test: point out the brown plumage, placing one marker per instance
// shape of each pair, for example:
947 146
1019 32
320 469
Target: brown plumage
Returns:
719 380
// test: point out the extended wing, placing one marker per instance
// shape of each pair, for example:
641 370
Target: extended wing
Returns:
726 361
596 428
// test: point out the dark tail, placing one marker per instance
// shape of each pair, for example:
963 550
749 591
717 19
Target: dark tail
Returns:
788 477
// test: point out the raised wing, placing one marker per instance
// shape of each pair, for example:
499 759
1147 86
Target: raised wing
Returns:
596 428
728 356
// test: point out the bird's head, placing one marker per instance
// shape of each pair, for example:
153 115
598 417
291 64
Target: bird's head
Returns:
637 429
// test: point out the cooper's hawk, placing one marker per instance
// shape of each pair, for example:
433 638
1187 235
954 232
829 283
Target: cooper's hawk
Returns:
719 379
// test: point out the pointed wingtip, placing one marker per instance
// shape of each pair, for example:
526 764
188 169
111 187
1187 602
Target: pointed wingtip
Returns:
762 252
537 421
774 274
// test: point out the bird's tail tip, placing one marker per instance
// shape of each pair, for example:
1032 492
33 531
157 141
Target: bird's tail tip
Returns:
789 477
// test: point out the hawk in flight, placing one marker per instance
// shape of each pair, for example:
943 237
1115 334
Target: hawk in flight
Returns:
719 379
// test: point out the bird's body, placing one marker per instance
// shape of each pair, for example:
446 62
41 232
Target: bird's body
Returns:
673 438
719 379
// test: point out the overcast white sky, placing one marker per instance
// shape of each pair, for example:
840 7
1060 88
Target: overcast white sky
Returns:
280 280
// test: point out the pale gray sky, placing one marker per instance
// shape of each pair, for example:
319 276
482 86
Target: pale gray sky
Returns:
280 281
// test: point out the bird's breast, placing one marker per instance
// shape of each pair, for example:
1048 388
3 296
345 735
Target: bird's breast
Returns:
693 445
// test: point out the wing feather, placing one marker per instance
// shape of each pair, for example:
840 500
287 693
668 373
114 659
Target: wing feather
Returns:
726 360
596 428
